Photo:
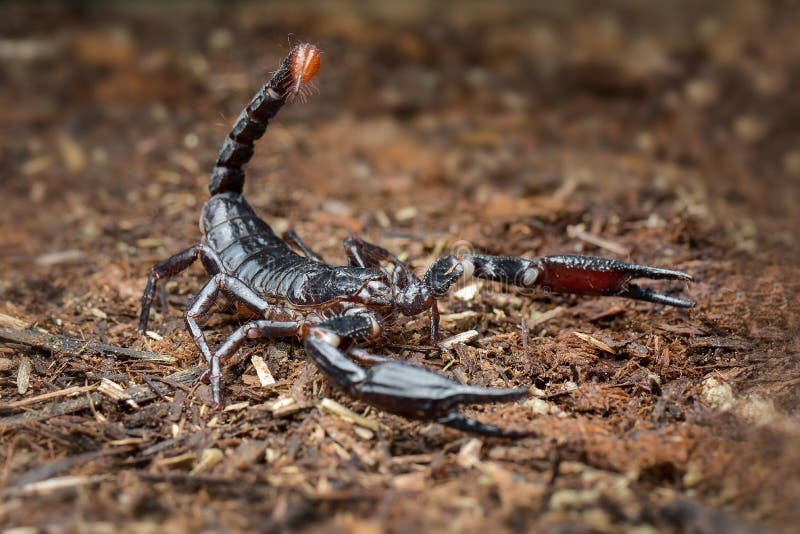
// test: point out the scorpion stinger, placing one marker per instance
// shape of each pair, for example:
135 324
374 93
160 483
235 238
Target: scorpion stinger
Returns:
332 308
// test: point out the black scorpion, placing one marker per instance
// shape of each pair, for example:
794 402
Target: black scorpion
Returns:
331 308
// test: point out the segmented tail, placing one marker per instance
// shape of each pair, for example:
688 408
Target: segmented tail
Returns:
289 80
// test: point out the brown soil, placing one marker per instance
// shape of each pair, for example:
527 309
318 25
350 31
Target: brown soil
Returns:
671 131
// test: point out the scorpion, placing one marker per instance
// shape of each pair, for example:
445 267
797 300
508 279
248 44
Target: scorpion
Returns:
288 290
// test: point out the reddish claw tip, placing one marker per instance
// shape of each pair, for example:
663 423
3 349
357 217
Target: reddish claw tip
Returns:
305 64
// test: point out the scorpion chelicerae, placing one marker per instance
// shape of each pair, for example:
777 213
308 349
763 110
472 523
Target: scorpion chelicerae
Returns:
332 308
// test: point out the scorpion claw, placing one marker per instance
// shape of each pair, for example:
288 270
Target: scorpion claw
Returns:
600 276
405 389
460 422
632 291
413 391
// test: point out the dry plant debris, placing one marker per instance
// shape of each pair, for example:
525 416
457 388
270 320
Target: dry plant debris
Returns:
661 134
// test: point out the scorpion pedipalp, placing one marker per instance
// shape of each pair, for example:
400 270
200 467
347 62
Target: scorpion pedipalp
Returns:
406 389
604 277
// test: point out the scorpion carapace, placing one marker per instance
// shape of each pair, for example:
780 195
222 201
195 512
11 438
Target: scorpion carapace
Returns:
332 308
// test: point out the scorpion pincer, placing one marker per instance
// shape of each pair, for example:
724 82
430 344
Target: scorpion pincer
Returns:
332 308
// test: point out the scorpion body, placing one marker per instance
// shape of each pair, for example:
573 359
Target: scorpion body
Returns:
248 249
331 308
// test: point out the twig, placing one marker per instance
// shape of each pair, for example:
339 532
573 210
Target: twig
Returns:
73 345
576 232
540 317
525 337
67 392
333 407
605 347
137 393
52 469
55 484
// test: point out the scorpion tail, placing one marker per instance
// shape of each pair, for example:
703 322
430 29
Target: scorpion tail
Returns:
289 80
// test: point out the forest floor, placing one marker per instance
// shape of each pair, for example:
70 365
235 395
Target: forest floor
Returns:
665 134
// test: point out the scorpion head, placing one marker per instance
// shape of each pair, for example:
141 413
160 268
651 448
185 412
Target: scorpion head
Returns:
415 298
376 294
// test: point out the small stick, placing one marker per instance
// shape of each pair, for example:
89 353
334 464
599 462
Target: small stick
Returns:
67 392
525 337
73 345
139 393
611 246
50 470
541 317
605 347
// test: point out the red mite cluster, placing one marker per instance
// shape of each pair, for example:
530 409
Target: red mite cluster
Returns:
290 291
305 64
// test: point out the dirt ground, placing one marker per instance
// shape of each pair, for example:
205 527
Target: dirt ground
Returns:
660 133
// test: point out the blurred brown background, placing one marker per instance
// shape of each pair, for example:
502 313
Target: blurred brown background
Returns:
670 130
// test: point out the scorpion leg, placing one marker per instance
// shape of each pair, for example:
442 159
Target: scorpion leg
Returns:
362 253
251 330
170 267
399 387
238 292
291 237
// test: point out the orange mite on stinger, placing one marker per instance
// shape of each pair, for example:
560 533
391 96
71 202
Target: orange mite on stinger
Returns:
305 64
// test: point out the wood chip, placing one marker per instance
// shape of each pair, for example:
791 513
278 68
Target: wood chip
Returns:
73 154
333 407
470 453
140 393
683 330
12 322
424 458
610 312
247 453
114 391
67 392
578 232
24 375
265 377
346 445
238 407
451 317
154 335
326 218
364 433
58 258
285 406
463 337
55 484
43 340
184 458
405 214
208 459
538 318
410 482
127 441
97 312
383 219
468 292
605 347
36 165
